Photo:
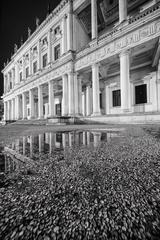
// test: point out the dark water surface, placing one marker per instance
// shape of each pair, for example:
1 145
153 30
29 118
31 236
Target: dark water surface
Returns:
33 146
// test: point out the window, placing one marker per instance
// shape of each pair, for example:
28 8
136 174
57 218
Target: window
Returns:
59 137
44 60
35 67
20 76
57 52
116 98
100 97
58 109
10 85
27 72
141 94
111 2
57 30
44 41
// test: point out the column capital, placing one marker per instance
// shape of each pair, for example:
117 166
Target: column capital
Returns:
125 52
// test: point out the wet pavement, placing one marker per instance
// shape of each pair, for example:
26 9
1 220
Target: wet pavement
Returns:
31 147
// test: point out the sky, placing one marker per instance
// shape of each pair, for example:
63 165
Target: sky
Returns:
15 18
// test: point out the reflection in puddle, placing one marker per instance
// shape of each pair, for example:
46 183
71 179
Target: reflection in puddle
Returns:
33 146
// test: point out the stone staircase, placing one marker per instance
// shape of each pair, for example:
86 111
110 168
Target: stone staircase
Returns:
32 122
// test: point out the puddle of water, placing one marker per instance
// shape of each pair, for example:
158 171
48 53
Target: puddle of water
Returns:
31 147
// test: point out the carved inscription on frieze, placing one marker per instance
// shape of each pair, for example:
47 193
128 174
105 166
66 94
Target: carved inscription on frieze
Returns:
117 45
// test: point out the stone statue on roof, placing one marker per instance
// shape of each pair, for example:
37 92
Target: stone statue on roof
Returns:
37 22
29 32
15 48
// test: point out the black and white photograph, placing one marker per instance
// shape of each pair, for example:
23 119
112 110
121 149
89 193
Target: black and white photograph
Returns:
80 120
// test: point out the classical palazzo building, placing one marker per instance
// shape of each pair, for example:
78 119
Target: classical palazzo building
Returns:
94 59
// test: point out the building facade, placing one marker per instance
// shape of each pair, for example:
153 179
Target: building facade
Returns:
94 59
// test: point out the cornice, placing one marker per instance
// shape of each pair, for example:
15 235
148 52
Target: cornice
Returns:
48 19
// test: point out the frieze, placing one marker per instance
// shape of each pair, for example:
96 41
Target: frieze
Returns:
143 34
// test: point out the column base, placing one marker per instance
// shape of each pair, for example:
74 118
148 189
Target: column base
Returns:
96 114
78 115
41 117
127 110
51 116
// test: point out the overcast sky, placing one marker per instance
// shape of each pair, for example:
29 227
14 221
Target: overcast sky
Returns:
15 18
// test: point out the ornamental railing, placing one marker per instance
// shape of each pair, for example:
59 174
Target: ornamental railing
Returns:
146 12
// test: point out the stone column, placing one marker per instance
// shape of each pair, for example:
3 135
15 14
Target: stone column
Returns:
40 101
51 99
95 87
24 106
88 100
71 93
125 81
65 96
94 18
64 35
122 10
70 28
31 102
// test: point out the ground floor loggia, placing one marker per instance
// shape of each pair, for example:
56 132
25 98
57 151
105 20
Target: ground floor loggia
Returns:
123 84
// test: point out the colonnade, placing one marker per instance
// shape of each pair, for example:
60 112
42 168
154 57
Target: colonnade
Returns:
75 101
